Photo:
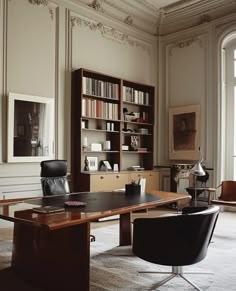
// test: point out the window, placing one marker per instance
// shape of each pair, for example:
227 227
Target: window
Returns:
228 110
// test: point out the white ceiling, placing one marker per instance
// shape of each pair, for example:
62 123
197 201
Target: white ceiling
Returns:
159 17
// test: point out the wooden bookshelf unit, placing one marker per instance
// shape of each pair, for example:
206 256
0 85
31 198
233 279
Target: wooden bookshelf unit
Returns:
112 120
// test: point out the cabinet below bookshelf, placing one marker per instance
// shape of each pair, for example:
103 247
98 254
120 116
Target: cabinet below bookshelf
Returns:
110 181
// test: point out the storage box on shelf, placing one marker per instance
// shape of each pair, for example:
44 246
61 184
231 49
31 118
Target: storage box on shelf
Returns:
112 120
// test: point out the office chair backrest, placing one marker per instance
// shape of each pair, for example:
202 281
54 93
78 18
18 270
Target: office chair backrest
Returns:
176 240
54 177
228 191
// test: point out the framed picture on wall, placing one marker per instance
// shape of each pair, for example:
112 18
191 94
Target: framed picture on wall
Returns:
30 128
184 132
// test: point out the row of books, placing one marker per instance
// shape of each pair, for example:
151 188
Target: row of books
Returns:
100 88
99 109
138 97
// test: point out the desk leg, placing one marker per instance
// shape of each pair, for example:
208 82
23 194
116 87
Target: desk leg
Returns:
125 229
56 260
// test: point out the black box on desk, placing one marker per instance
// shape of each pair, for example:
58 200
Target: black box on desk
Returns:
132 189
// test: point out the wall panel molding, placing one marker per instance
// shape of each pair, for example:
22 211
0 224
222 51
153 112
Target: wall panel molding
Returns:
186 44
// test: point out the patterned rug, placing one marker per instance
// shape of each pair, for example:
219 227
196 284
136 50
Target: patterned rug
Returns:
116 268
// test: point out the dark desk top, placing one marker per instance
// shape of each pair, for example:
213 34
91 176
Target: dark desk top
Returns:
96 201
98 205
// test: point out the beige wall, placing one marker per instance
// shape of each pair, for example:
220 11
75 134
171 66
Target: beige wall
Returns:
189 66
41 46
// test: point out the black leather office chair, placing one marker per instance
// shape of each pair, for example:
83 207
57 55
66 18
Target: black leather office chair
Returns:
175 241
54 179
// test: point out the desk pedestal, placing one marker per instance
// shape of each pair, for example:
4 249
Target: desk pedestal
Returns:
55 260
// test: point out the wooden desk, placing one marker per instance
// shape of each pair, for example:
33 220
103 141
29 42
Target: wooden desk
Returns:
53 250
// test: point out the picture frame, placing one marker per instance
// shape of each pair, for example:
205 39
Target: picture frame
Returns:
92 163
107 164
184 132
30 128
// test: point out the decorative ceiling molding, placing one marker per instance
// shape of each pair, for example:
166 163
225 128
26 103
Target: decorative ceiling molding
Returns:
96 5
39 2
128 20
44 3
185 43
111 33
162 17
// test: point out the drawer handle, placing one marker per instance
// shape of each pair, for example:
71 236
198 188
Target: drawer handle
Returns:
101 177
118 176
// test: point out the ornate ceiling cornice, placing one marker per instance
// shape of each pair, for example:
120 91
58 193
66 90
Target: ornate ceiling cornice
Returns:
110 33
39 2
150 17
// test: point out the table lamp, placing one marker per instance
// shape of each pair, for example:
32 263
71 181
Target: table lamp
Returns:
197 170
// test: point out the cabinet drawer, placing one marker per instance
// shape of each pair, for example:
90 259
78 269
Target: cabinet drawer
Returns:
108 182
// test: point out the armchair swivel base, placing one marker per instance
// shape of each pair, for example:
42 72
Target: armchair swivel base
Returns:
177 271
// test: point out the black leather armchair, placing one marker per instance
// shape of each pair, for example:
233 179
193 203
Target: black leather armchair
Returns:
54 179
175 241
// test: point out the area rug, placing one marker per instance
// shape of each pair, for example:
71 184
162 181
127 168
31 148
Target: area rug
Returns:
116 268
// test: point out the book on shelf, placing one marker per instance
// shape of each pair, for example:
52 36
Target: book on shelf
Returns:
141 150
99 109
135 96
92 86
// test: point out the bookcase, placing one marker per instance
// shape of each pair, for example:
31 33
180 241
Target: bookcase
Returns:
112 122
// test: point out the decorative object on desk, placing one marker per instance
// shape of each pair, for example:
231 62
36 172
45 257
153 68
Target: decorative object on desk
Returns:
92 163
107 145
132 188
184 132
86 164
134 142
197 170
142 183
96 147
